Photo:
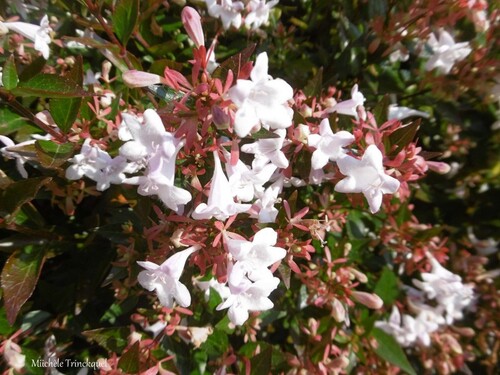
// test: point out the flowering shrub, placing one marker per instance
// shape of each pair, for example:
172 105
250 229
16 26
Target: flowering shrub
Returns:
249 187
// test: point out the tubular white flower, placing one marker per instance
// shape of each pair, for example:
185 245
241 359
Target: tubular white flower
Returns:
37 34
366 176
164 278
258 255
259 13
261 101
150 145
348 107
445 52
228 11
220 202
245 295
328 146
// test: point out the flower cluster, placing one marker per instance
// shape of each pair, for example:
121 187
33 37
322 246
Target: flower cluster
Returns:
254 202
251 13
447 297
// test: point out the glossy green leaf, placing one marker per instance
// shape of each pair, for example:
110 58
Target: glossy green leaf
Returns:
51 154
20 192
129 361
32 69
19 277
9 74
112 339
65 111
387 286
261 363
380 111
50 86
10 121
124 19
389 350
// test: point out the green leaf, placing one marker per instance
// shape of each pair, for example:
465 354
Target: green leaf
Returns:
51 154
216 344
65 111
10 121
380 111
263 134
9 74
261 363
124 19
314 86
129 361
32 70
112 339
20 192
50 86
387 287
19 277
402 137
389 350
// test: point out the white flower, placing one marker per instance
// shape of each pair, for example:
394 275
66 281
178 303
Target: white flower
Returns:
366 176
164 278
156 149
445 52
13 356
257 255
228 11
447 289
268 150
246 182
9 152
37 34
246 295
259 13
207 286
400 113
261 101
266 212
348 107
97 165
406 329
328 146
91 78
220 202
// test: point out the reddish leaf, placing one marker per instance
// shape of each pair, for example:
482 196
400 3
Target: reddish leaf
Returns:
402 137
19 277
234 63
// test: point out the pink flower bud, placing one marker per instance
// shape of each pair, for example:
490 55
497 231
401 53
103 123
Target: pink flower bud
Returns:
338 310
370 300
192 23
438 167
136 78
